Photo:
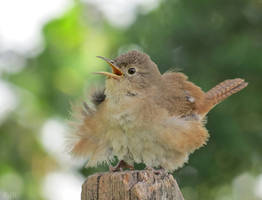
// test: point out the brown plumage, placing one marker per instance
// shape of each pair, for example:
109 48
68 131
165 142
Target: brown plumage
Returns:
143 116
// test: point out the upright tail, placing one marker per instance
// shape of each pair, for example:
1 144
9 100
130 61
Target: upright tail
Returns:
221 92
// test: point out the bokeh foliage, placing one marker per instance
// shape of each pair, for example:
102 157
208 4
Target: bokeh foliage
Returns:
208 40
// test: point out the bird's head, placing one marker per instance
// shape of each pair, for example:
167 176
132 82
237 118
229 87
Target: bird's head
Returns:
133 72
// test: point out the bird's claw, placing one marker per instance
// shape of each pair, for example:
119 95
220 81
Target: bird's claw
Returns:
120 166
157 171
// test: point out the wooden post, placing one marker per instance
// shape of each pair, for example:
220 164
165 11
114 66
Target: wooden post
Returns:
131 185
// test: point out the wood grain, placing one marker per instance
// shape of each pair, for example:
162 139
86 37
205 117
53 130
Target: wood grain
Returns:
131 185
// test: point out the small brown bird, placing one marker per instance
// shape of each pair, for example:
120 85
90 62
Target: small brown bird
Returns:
145 116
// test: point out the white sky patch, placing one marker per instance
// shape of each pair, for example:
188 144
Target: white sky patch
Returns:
11 63
64 186
21 22
52 137
258 187
243 187
122 13
8 99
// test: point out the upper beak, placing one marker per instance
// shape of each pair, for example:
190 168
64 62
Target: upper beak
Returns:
116 72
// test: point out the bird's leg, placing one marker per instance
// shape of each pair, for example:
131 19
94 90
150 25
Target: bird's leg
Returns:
120 166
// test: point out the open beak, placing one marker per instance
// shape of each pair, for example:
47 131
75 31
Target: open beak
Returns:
116 72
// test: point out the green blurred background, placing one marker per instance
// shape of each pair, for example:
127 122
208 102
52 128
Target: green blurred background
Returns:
40 76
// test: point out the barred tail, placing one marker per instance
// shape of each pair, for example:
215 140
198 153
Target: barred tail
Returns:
221 92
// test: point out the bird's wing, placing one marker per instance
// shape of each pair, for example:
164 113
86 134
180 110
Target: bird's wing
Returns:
185 97
85 137
181 97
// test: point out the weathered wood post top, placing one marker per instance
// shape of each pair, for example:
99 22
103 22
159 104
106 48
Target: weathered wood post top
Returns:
131 185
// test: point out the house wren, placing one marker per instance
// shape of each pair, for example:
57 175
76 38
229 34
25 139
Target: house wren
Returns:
145 116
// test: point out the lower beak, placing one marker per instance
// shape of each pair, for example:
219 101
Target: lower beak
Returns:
116 72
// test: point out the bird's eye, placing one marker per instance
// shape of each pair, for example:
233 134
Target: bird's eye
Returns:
131 70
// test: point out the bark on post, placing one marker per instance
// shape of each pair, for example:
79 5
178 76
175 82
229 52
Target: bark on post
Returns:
131 185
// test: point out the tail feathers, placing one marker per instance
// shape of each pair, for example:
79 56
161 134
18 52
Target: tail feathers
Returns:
221 92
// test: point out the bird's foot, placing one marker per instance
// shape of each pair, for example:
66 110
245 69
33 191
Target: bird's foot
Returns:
120 166
160 171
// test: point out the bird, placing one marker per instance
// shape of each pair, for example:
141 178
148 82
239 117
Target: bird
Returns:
143 116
